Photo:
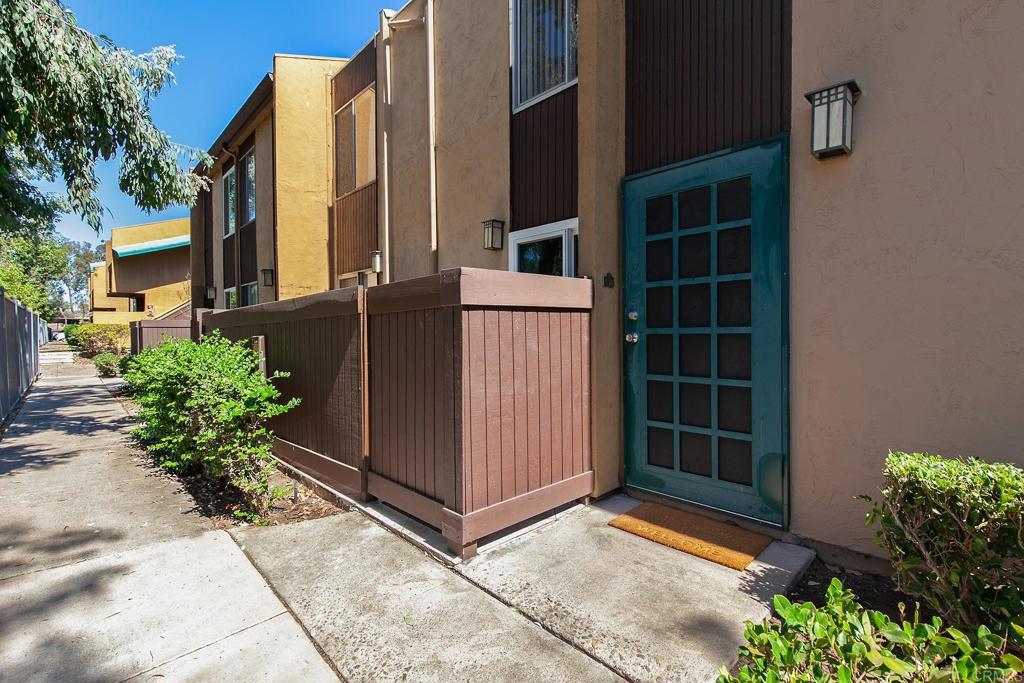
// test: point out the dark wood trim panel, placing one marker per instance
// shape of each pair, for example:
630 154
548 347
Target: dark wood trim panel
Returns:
544 160
337 475
355 220
703 76
358 73
348 301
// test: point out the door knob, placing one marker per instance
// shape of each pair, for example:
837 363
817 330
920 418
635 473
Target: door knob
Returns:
633 315
632 337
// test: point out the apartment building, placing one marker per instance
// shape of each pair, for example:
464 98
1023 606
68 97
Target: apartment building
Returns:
262 232
144 275
799 218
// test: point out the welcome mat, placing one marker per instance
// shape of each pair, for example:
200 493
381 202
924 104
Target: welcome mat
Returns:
719 542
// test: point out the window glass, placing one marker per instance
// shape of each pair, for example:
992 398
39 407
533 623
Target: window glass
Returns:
248 165
545 52
250 294
230 298
542 256
230 202
344 173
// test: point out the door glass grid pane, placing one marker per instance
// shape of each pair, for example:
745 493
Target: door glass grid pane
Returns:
710 268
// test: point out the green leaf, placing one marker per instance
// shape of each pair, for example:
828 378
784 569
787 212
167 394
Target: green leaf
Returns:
1013 662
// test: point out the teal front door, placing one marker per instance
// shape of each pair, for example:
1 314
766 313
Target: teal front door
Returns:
705 325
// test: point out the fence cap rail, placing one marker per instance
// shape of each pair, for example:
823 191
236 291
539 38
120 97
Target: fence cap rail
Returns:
467 287
347 301
160 323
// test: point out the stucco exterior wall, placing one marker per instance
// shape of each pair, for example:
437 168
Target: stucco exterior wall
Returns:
118 317
907 258
98 291
403 110
602 120
301 104
264 156
471 63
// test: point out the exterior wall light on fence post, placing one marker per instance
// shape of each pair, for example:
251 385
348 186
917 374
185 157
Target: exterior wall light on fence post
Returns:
832 119
376 261
494 234
268 277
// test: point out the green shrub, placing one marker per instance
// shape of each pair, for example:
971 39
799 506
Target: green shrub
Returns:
96 338
71 337
107 364
844 642
954 530
204 410
123 363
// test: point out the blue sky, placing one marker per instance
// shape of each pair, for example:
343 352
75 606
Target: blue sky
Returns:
227 46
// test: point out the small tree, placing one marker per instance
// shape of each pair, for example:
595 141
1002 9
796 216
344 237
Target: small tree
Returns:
31 269
68 99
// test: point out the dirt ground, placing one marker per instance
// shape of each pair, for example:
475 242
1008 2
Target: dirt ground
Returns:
872 591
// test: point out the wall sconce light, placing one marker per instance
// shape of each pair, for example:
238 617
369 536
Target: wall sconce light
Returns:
832 119
268 277
494 234
376 261
211 293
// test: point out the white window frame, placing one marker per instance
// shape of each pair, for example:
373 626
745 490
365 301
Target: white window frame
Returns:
518 106
228 291
224 199
567 229
255 288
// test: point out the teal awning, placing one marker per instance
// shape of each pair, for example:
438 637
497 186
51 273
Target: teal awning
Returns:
151 246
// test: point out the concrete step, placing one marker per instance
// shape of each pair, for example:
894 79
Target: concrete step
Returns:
56 357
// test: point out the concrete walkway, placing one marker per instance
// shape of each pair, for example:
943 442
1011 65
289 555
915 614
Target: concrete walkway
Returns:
107 573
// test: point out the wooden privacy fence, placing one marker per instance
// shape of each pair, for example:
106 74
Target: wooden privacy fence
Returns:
461 398
21 334
146 334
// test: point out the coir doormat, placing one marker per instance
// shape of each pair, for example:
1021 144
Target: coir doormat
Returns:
725 544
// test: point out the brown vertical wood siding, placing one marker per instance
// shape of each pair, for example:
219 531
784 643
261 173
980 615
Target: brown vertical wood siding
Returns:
704 75
357 74
207 216
545 161
247 253
355 220
318 340
146 334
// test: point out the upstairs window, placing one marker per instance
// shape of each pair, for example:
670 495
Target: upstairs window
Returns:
544 48
247 200
355 143
230 202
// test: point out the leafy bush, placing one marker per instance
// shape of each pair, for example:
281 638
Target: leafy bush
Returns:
954 530
107 364
205 409
71 331
123 364
96 338
844 642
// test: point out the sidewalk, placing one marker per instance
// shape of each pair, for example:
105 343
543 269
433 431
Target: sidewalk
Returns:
106 571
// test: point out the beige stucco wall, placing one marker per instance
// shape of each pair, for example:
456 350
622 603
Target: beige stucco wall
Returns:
602 120
264 156
403 116
117 317
471 63
907 258
301 104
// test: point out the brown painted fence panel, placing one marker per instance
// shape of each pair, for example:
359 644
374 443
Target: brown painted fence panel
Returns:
146 334
21 334
479 386
319 340
461 398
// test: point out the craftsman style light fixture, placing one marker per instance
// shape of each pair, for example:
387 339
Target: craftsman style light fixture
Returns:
494 234
832 119
211 293
268 277
376 261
